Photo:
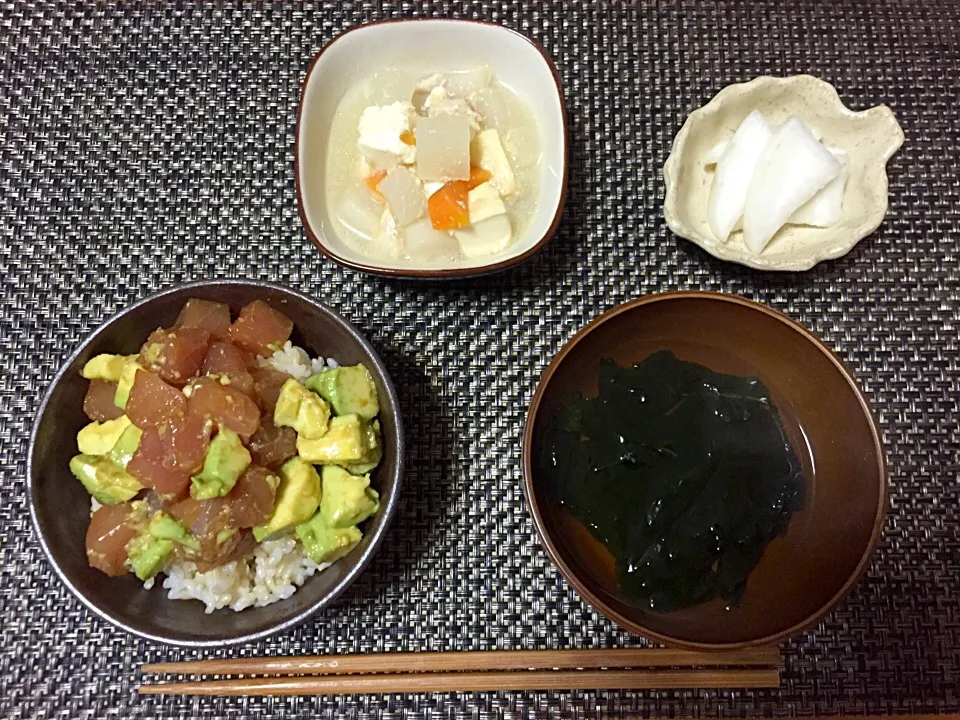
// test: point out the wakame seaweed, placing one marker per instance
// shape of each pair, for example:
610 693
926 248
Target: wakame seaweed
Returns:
684 474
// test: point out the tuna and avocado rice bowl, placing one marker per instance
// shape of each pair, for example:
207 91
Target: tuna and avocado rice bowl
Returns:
225 458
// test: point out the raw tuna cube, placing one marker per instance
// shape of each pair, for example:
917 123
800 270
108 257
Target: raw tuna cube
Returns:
154 403
224 405
252 498
175 355
271 446
213 317
261 329
268 383
98 402
228 360
150 465
111 528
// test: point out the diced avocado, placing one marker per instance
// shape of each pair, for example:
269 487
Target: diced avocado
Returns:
347 499
147 554
126 445
125 383
304 411
344 442
105 367
226 460
152 353
325 544
225 535
349 390
104 479
298 497
164 527
149 550
374 451
98 438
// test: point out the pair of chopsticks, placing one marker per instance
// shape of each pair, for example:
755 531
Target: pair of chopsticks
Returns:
398 673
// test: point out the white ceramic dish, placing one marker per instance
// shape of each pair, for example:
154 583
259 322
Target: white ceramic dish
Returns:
869 138
434 45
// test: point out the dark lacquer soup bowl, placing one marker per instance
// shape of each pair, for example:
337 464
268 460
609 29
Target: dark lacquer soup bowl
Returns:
828 429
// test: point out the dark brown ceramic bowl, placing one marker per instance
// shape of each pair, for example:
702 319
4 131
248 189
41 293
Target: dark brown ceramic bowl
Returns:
803 574
429 45
60 507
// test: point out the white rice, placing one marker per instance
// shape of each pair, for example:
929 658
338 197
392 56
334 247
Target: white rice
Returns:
273 572
275 568
296 362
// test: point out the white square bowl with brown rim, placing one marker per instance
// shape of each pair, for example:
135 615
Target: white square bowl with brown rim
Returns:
436 45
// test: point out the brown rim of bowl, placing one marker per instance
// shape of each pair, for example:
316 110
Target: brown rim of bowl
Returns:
591 597
438 274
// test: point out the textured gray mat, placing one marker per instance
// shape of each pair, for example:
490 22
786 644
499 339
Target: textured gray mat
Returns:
146 145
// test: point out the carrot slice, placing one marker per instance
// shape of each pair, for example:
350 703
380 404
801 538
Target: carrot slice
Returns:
478 176
408 137
372 182
448 206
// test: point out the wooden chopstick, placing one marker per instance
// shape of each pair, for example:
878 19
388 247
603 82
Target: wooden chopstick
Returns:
472 661
390 673
477 682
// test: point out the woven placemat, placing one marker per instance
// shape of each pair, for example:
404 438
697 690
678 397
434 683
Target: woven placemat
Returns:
147 145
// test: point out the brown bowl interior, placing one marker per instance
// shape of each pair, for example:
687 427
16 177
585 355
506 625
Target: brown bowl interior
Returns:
61 506
827 544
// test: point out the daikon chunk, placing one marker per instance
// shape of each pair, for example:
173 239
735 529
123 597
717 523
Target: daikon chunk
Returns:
824 208
387 236
522 145
715 153
494 108
432 81
421 242
791 170
404 196
443 148
486 151
735 170
359 210
463 83
485 237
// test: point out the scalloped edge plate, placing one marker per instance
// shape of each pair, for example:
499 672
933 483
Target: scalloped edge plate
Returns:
869 138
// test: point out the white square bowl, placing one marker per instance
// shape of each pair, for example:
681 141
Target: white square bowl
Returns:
433 45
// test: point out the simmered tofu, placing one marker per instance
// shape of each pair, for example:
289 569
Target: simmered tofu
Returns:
404 195
489 230
380 129
487 152
485 237
484 202
443 148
